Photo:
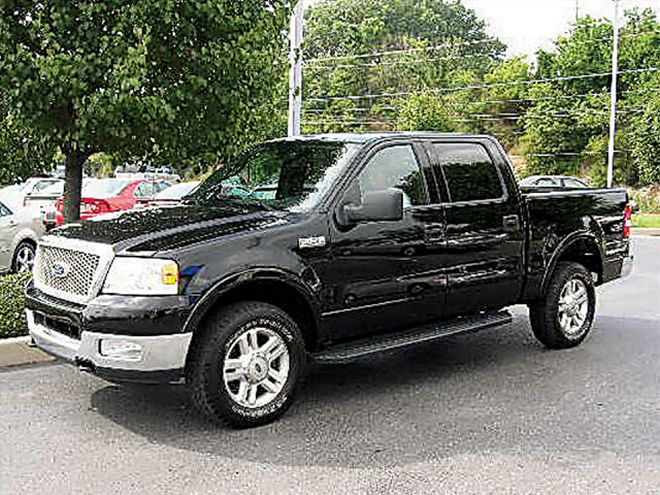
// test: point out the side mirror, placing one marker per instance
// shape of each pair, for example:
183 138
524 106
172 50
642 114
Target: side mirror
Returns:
384 205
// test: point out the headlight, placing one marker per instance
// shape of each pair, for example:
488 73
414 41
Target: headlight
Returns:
142 277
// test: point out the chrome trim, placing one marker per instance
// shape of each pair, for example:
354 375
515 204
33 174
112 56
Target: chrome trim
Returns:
104 251
366 306
159 352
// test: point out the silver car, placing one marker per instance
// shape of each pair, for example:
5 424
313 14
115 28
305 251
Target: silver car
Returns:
20 230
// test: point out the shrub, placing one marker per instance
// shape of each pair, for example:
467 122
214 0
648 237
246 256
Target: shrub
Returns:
12 306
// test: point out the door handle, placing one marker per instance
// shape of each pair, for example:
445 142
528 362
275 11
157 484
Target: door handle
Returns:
434 232
511 222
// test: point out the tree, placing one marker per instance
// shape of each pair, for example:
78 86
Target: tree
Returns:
151 78
22 153
441 41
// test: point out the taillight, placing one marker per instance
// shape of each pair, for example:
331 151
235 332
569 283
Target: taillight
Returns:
627 223
99 206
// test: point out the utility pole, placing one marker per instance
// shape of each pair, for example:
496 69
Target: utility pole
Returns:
295 76
613 94
577 11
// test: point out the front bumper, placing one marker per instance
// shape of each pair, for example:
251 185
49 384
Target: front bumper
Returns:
162 357
152 326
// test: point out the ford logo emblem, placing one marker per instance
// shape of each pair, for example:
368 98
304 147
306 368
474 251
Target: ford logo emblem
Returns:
60 269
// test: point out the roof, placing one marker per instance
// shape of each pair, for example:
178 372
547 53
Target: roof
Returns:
365 137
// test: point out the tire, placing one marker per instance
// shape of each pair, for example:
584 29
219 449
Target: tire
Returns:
23 260
222 389
564 317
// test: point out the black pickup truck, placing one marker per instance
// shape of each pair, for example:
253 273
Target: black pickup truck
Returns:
354 244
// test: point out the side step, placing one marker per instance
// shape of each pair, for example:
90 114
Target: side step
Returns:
352 350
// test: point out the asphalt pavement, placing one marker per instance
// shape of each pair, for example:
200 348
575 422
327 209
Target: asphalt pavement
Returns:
491 412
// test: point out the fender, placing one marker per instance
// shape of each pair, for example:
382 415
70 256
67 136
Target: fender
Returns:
24 234
226 284
563 246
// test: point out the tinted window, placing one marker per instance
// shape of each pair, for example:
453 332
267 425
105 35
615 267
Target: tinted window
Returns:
546 182
4 211
395 168
469 172
41 185
149 188
574 183
104 188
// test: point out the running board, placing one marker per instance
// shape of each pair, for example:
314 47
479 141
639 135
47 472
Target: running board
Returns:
352 350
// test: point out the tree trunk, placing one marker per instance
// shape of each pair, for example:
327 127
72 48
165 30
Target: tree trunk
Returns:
73 183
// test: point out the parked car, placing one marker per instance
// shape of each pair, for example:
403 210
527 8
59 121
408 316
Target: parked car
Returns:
20 230
553 181
101 196
170 196
46 198
19 195
235 294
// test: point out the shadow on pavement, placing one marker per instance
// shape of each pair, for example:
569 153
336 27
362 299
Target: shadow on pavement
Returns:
471 394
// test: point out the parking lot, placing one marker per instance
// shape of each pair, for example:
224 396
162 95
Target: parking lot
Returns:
491 412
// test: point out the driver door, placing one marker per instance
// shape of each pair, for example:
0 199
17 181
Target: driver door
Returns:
385 275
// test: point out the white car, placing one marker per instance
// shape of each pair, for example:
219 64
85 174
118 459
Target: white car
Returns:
20 230
18 196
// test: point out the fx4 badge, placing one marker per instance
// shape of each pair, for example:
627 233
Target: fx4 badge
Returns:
311 242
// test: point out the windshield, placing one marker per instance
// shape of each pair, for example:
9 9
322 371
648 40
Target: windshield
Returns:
177 191
104 188
285 174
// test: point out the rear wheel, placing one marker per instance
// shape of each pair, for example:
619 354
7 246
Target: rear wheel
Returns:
23 258
564 317
246 364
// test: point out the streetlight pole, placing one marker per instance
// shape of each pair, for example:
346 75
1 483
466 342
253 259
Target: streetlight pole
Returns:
295 75
613 94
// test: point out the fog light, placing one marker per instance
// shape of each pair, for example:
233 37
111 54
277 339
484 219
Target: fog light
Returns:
120 349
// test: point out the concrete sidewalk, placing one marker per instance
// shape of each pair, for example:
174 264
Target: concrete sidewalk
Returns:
16 352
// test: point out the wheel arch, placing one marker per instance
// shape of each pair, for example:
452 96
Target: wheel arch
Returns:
21 238
583 248
274 286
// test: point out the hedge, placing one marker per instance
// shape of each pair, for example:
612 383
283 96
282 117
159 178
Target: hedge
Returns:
12 305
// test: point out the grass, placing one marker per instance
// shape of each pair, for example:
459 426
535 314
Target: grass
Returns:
649 220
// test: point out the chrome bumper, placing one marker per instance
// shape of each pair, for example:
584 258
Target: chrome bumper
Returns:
163 355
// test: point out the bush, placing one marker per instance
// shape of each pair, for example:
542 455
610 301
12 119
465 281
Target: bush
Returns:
12 306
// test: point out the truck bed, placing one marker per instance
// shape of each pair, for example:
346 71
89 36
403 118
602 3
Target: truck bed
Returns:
560 216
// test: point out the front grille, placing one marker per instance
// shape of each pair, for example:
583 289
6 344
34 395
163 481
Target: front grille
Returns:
76 273
63 327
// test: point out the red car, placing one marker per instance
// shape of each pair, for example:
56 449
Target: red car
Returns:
110 195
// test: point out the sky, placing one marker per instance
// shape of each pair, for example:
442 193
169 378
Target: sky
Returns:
529 25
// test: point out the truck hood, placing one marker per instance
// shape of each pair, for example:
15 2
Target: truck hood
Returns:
170 228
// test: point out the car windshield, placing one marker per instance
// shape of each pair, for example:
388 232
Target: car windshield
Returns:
104 188
294 175
177 191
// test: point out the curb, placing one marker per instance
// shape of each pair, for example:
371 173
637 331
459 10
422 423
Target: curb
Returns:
645 232
16 352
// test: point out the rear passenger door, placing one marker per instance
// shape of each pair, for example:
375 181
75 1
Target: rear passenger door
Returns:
484 231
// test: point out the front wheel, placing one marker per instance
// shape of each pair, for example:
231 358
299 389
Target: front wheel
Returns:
564 317
246 364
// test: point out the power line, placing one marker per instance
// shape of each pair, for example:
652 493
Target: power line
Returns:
444 46
487 85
